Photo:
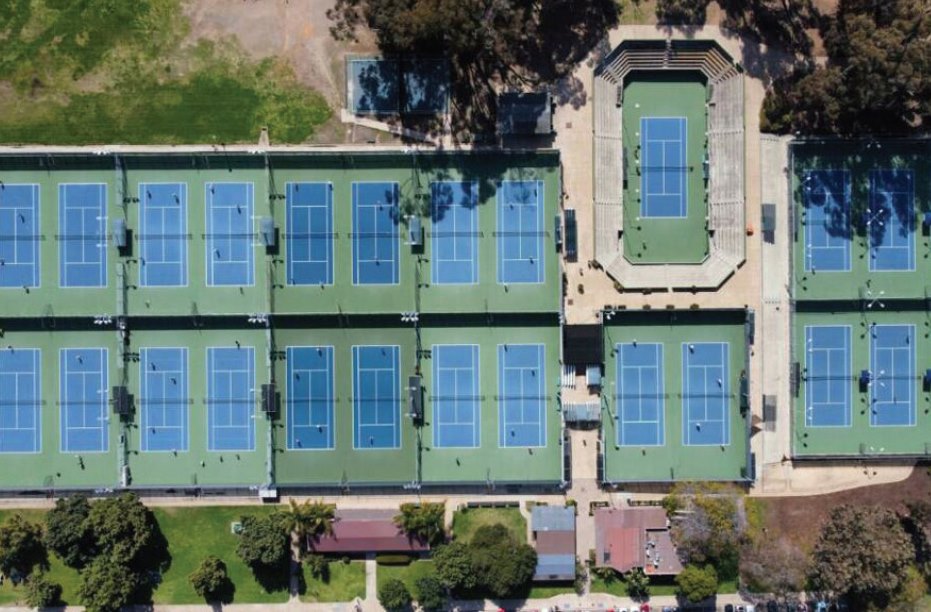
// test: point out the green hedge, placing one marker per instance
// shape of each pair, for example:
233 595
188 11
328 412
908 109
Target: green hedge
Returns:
393 559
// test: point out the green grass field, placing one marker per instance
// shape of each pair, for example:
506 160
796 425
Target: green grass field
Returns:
408 574
65 576
345 583
192 534
467 521
667 587
103 72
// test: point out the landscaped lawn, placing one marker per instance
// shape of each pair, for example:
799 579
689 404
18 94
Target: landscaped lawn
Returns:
467 520
65 576
538 591
347 581
195 532
408 574
619 587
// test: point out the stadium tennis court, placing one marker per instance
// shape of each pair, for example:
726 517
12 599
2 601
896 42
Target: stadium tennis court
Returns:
891 220
705 394
640 395
826 199
828 376
456 403
231 398
20 401
892 376
376 242
82 223
520 232
83 390
229 234
455 232
376 397
310 233
163 234
19 235
663 166
164 399
522 395
311 396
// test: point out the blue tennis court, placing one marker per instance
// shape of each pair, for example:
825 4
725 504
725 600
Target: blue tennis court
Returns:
426 86
376 399
522 395
376 242
663 167
373 86
892 376
891 220
826 200
310 398
705 394
231 398
828 376
520 232
229 234
310 233
456 402
163 375
455 232
83 391
20 401
163 234
19 235
640 394
82 226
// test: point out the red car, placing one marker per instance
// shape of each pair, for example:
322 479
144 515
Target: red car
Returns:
645 607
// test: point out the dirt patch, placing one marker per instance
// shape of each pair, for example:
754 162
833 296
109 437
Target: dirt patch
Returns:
297 31
799 519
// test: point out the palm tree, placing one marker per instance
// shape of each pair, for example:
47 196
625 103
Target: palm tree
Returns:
424 521
309 519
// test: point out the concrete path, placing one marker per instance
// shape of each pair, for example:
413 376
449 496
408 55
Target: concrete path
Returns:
371 582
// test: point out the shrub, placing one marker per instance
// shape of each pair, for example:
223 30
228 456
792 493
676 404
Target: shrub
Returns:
209 578
42 592
398 559
393 595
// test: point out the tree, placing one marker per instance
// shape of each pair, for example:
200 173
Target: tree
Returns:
210 578
489 43
263 541
430 592
709 532
42 592
107 585
123 529
309 519
697 583
501 563
454 566
424 521
917 523
863 554
638 584
684 12
393 595
879 62
67 532
779 568
21 547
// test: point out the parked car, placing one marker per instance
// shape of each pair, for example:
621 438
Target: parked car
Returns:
729 608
